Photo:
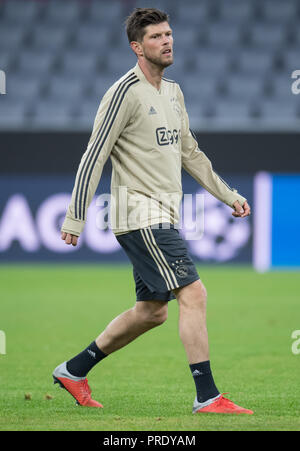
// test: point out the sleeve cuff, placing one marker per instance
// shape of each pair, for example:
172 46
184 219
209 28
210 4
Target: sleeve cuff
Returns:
236 197
72 226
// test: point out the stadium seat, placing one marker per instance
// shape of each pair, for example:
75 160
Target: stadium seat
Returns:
280 111
279 11
224 35
78 62
212 62
105 12
185 39
234 11
228 110
6 59
169 6
119 63
281 86
179 69
62 12
291 60
100 84
200 12
198 115
86 112
268 35
35 62
12 113
23 88
66 89
49 36
255 61
244 87
11 37
51 114
196 88
294 35
19 12
122 43
93 37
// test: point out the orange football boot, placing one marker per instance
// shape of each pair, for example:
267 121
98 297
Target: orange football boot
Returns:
220 405
78 387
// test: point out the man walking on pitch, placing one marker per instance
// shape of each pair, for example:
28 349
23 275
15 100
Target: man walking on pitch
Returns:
143 126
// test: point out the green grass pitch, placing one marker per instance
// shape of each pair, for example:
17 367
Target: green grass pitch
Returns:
50 313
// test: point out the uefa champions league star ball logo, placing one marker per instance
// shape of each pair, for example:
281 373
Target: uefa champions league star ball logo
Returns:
224 236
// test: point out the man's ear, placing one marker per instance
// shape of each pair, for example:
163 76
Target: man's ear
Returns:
137 48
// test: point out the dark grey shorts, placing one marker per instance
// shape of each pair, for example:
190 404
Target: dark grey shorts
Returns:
161 262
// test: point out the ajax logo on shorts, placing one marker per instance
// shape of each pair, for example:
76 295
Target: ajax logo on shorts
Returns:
180 269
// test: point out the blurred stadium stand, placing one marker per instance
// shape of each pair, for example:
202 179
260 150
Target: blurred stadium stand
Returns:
233 59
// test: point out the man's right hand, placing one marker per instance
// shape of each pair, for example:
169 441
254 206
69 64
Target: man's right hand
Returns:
69 239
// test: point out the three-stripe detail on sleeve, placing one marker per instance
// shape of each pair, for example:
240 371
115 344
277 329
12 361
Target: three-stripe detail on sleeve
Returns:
225 183
88 166
222 180
164 268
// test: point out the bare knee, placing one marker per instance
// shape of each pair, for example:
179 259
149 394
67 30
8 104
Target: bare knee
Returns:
192 296
153 314
158 318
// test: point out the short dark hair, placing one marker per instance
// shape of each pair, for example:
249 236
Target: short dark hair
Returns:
140 18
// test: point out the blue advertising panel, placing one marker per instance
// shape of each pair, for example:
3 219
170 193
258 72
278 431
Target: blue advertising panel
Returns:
32 209
285 220
276 221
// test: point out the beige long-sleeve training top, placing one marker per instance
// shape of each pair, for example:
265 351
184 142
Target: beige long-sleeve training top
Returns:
146 134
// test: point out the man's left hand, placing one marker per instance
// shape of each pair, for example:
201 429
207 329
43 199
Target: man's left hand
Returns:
241 212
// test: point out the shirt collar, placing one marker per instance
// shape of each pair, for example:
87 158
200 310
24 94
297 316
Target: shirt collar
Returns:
142 77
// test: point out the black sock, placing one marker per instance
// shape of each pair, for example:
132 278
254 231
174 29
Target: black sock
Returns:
204 381
82 363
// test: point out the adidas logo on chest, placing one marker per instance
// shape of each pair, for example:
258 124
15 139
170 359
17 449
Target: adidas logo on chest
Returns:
152 110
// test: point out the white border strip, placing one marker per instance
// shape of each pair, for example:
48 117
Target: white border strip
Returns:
262 222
